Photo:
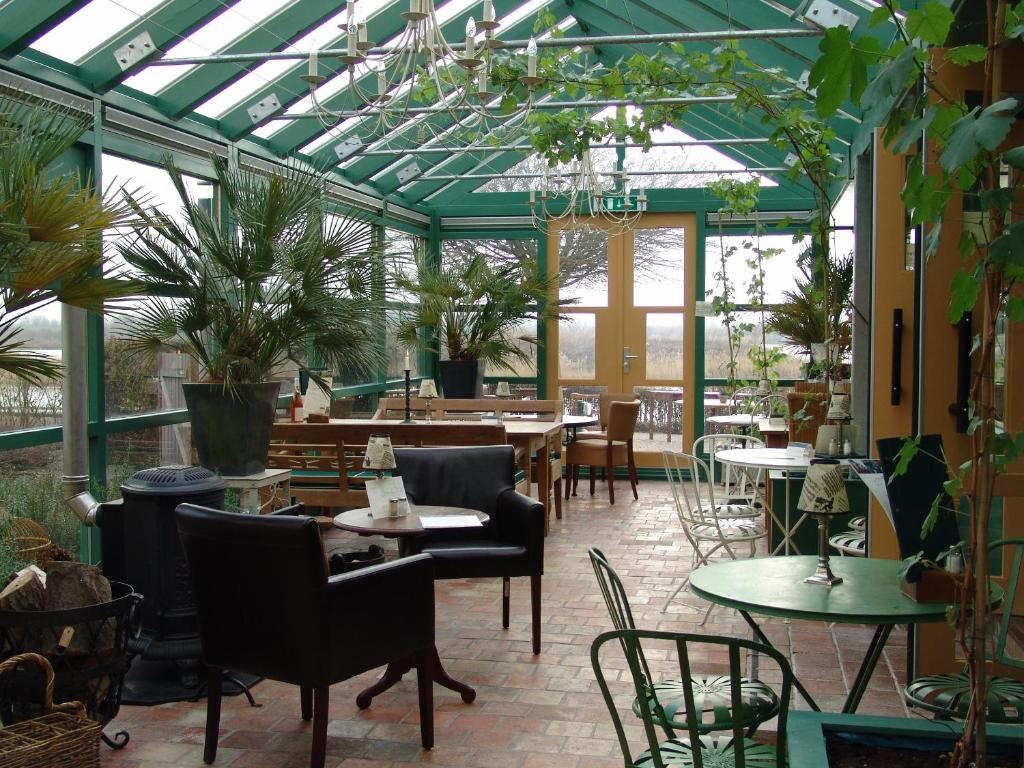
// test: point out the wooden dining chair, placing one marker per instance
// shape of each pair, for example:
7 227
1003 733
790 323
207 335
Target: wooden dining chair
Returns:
616 450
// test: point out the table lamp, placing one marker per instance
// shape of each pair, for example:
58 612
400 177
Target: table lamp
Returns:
823 495
428 391
379 456
502 389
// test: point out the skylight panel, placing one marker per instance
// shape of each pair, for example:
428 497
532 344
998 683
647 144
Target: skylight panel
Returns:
91 27
216 35
268 72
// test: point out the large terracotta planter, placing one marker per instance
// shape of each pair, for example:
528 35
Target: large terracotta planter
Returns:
232 433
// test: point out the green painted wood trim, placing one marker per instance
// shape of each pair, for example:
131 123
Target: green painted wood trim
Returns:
273 34
23 21
806 731
167 25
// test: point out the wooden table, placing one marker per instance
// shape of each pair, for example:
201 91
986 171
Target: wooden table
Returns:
527 435
742 421
774 586
669 396
572 422
407 529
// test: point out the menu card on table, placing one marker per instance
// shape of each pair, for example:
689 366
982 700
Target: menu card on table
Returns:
380 492
450 521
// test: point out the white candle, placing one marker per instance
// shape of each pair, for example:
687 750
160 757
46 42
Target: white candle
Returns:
531 58
352 36
407 366
470 38
488 11
313 62
382 88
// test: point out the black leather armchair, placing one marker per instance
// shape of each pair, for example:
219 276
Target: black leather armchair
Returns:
481 478
267 606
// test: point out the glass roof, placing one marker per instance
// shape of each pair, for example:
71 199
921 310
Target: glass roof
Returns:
86 37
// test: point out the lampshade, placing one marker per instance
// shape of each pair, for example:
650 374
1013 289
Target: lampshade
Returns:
824 492
379 453
502 389
428 388
838 407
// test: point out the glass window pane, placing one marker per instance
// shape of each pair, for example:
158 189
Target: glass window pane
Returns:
664 354
30 486
583 266
128 452
519 368
24 405
87 29
716 350
780 265
659 267
577 358
400 253
497 252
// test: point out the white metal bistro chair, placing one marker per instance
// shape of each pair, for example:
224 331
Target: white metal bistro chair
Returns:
738 486
708 525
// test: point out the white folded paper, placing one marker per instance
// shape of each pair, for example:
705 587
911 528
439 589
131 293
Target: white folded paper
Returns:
450 521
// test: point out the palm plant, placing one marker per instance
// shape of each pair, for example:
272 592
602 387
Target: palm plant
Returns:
807 317
282 281
51 226
473 310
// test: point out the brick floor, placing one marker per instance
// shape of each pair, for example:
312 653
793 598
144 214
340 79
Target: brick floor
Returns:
531 711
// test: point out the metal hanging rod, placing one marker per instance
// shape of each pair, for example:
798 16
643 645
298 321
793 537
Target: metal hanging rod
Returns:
678 172
528 148
560 42
449 108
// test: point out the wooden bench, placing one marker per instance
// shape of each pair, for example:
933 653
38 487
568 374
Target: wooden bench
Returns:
326 460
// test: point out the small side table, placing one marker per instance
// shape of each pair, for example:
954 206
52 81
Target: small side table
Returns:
278 480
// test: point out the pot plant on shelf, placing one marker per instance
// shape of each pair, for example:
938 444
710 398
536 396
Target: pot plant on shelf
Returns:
283 279
471 313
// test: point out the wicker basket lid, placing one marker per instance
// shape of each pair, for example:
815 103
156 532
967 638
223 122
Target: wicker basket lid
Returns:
174 478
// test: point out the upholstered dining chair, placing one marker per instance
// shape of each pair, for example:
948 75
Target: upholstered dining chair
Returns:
604 402
616 450
510 544
266 606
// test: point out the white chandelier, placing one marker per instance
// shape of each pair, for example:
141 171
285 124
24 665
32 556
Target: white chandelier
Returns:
580 197
420 66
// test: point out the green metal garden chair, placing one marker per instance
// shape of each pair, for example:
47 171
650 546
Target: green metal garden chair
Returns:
948 695
697 748
666 699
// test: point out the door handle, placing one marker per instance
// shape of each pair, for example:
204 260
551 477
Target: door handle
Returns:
626 357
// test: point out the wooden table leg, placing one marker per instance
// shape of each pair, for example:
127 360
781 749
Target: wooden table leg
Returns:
396 669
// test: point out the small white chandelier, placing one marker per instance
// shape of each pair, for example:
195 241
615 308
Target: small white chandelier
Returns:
580 197
420 66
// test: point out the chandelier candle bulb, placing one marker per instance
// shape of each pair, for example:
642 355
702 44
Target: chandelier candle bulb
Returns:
488 12
531 58
353 39
313 65
470 38
382 88
362 35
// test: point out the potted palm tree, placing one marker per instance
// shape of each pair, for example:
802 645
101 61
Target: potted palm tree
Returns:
51 225
280 280
472 312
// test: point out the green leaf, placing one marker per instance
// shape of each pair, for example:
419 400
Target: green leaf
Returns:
841 72
931 23
906 454
879 16
1015 309
1014 157
963 55
913 130
963 290
1008 248
888 84
976 132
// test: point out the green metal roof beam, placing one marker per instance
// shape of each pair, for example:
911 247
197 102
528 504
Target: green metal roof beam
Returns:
171 22
23 21
277 32
298 135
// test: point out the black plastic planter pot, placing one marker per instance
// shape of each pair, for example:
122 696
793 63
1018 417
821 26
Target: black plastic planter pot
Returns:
232 433
462 378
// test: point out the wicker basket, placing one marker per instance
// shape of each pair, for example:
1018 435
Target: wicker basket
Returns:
30 540
65 737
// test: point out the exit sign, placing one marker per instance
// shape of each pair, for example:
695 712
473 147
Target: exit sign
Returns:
616 203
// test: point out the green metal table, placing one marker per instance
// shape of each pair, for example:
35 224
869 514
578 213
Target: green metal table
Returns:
774 586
